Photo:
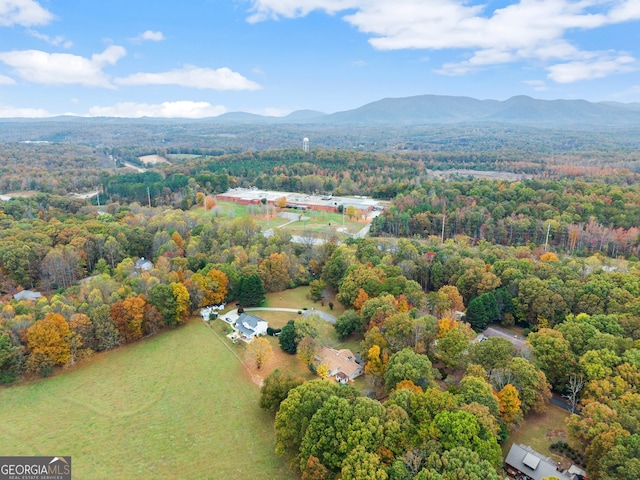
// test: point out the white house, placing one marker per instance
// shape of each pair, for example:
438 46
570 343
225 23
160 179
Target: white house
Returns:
143 264
250 326
341 363
206 312
27 295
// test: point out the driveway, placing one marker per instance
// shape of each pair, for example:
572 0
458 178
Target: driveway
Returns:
232 315
517 341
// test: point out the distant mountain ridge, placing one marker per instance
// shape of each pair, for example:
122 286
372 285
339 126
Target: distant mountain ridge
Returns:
443 109
426 109
432 110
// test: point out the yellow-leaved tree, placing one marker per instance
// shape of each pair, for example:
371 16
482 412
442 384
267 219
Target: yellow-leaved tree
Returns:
183 301
509 404
48 344
260 350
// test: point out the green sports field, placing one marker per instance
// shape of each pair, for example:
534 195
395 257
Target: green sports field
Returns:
178 406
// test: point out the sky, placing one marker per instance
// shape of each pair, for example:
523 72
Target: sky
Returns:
202 58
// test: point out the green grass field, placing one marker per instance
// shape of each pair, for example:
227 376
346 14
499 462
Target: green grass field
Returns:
317 221
179 405
541 430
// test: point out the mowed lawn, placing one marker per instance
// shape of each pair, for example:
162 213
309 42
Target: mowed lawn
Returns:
539 431
179 405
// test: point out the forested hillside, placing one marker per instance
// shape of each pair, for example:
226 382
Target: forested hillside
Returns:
544 243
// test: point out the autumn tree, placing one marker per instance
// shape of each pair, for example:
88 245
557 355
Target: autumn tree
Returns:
307 350
128 316
532 385
274 272
459 462
48 343
314 470
260 350
360 277
162 298
183 303
316 290
360 300
217 287
281 202
209 203
509 404
322 370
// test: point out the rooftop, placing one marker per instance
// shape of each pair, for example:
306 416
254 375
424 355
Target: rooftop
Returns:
253 194
343 360
533 464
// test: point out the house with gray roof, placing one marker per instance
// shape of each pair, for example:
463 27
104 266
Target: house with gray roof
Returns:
27 295
524 463
144 265
249 327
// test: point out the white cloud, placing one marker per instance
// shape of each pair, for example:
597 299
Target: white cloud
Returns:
537 85
180 109
4 80
194 77
57 41
63 68
149 35
272 112
589 68
272 9
7 111
523 30
23 12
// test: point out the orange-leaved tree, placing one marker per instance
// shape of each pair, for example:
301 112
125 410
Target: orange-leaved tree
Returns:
48 343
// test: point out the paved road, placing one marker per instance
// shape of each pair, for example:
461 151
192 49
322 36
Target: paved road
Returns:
518 341
363 231
232 315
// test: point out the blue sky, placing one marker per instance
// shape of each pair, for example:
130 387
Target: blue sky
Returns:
199 58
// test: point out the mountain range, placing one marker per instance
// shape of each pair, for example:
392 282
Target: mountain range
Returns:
441 109
422 110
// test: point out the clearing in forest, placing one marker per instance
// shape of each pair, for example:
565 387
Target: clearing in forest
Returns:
178 405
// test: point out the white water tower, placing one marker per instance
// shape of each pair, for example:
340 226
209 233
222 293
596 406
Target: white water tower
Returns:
305 144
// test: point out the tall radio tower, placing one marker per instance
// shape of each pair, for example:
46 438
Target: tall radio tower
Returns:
305 144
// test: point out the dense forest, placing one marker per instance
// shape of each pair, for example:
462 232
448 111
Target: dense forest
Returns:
553 251
401 295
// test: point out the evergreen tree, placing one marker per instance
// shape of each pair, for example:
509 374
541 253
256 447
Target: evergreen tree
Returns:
251 291
10 359
287 338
